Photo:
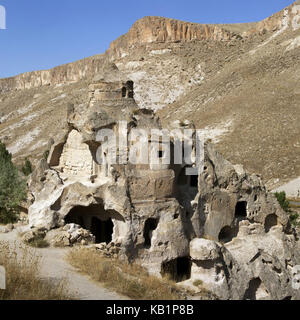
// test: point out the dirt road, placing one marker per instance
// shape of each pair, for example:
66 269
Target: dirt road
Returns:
55 267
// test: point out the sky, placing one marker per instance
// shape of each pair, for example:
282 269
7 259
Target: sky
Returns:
41 34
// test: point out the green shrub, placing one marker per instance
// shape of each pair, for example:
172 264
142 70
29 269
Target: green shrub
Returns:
284 203
12 188
38 242
294 216
27 168
46 154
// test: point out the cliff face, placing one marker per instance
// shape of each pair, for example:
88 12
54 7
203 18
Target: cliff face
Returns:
163 30
68 73
286 18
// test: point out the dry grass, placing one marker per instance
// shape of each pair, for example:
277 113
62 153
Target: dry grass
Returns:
127 279
38 242
22 266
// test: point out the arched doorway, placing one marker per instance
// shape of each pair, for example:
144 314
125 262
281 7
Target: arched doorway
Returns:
102 230
96 219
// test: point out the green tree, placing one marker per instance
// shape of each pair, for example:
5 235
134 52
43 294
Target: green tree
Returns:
12 187
27 168
284 203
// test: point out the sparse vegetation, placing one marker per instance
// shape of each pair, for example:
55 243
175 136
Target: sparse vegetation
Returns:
294 218
127 279
46 154
22 266
198 283
12 188
38 242
285 205
27 168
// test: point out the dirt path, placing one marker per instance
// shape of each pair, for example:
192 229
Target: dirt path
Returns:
295 203
55 267
292 189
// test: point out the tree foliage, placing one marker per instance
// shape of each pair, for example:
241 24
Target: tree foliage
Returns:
284 203
27 168
12 187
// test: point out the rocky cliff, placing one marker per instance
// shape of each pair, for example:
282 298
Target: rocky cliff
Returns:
238 83
150 30
163 30
67 73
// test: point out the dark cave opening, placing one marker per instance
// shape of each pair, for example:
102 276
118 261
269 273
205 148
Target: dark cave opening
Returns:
271 221
76 216
178 269
150 225
226 234
241 209
102 230
256 290
194 181
95 219
124 92
182 179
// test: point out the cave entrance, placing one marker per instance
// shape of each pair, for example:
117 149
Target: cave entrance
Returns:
178 269
241 210
270 222
76 215
256 290
227 234
95 219
182 178
102 230
150 225
194 181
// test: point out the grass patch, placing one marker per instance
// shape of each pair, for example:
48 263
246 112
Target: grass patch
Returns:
38 242
23 282
127 279
198 283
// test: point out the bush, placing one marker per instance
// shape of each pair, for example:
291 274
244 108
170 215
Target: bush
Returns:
38 242
46 154
294 216
284 203
12 188
27 168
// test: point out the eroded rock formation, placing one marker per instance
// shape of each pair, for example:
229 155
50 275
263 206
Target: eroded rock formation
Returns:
158 29
222 227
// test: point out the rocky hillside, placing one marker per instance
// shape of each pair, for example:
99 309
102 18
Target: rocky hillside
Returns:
239 83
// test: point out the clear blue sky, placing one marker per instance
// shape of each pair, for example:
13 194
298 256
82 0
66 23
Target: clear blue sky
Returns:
44 33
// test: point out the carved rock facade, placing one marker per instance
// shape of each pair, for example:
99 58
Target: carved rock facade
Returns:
222 227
